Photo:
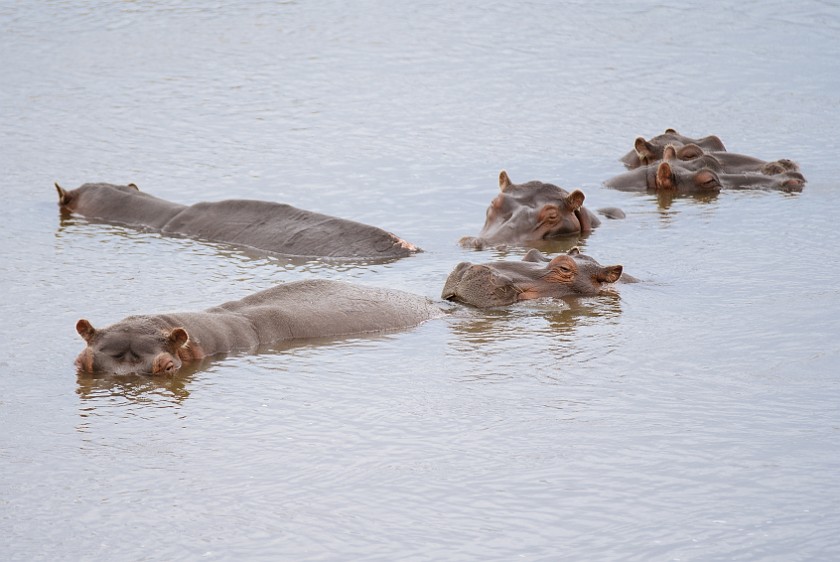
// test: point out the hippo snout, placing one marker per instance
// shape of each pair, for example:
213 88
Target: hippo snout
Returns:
478 285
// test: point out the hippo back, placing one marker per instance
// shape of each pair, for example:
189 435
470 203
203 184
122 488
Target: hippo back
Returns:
284 229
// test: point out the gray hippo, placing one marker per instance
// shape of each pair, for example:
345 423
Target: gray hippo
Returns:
271 227
506 282
699 176
704 174
732 162
649 151
159 344
527 213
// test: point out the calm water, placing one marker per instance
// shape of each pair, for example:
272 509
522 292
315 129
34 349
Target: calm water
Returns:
695 417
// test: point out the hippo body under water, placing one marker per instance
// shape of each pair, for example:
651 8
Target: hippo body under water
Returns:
505 282
159 344
275 228
529 213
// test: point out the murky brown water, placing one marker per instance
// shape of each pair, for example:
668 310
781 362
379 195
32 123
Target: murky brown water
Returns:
693 417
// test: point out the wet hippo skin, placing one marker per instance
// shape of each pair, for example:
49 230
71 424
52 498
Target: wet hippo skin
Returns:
536 276
528 213
159 344
271 227
649 151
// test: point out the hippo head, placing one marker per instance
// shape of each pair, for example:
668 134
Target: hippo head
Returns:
530 212
649 151
506 282
69 200
136 345
670 177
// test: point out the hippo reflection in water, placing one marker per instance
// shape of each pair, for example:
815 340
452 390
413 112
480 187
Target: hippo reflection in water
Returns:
536 276
528 213
262 225
160 344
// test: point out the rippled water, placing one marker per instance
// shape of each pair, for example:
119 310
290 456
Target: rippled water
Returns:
695 416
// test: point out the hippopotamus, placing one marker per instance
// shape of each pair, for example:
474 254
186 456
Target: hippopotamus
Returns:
649 151
159 344
732 162
528 213
506 282
274 228
704 173
699 176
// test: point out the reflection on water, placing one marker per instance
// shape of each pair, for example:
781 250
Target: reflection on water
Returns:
139 389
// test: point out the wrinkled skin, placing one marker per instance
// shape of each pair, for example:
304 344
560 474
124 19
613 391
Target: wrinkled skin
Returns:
271 227
650 151
161 344
734 163
527 213
506 282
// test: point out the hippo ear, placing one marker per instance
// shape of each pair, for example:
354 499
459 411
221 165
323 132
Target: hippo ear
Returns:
535 255
670 152
672 131
575 251
504 181
177 337
84 328
134 185
609 274
575 200
664 176
62 194
644 150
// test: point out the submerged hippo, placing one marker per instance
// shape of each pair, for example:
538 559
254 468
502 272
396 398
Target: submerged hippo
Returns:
704 173
732 162
649 151
272 227
506 282
527 213
677 177
159 344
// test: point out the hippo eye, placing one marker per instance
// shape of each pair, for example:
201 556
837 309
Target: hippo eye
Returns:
710 183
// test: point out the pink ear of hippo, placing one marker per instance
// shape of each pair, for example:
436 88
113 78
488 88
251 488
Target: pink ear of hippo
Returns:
62 194
575 200
84 328
609 274
664 176
504 181
177 337
670 152
644 149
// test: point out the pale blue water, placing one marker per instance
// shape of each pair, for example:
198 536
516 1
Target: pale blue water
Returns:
695 417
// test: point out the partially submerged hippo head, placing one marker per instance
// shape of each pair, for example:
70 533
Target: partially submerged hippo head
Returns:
649 151
70 199
672 176
529 212
506 282
137 345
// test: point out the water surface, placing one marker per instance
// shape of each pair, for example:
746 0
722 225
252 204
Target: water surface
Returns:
694 416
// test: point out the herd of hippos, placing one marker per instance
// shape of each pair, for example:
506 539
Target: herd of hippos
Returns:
521 215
